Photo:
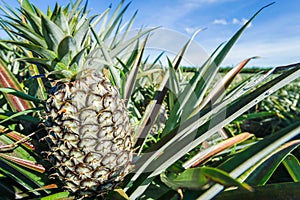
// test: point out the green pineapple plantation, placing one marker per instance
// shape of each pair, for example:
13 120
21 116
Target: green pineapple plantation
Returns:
81 114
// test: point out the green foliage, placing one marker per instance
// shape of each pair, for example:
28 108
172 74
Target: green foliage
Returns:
292 165
60 195
198 178
60 43
272 191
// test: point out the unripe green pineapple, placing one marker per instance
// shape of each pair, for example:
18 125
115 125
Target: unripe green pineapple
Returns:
90 135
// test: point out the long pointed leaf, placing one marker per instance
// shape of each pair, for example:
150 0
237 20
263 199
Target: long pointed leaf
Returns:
53 34
291 163
131 79
154 106
25 163
22 95
272 191
45 53
220 88
241 163
213 150
261 173
177 150
7 79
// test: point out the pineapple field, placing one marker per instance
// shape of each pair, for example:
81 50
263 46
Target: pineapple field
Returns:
86 114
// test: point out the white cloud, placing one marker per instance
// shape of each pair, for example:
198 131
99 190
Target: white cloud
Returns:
190 30
274 53
235 21
194 4
242 21
220 21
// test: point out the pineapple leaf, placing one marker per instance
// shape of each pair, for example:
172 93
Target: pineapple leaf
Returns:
128 28
220 57
27 33
16 136
81 34
220 88
109 59
175 113
77 59
27 179
37 61
8 80
33 20
60 195
53 34
10 12
60 20
104 18
66 49
122 46
291 163
233 110
195 130
154 106
27 6
45 53
269 191
25 163
21 151
173 85
247 158
116 34
117 194
38 12
131 79
201 81
114 20
213 150
214 66
74 9
24 112
197 178
192 179
262 171
20 94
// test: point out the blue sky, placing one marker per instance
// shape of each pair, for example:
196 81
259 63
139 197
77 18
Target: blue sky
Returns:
274 34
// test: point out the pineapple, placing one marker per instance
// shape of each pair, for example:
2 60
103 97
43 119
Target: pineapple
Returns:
90 136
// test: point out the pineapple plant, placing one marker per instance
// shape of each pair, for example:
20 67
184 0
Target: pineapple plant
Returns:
89 103
89 132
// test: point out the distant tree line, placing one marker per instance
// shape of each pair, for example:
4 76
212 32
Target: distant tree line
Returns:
226 69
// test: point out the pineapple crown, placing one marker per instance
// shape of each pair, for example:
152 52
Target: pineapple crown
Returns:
57 40
63 41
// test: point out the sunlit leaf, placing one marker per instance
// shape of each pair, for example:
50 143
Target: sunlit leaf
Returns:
197 178
60 195
117 194
213 150
270 191
291 163
261 172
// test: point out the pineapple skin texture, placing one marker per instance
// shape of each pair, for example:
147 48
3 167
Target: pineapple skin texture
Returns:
89 135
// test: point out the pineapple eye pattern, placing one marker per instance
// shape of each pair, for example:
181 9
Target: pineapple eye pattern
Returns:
89 128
